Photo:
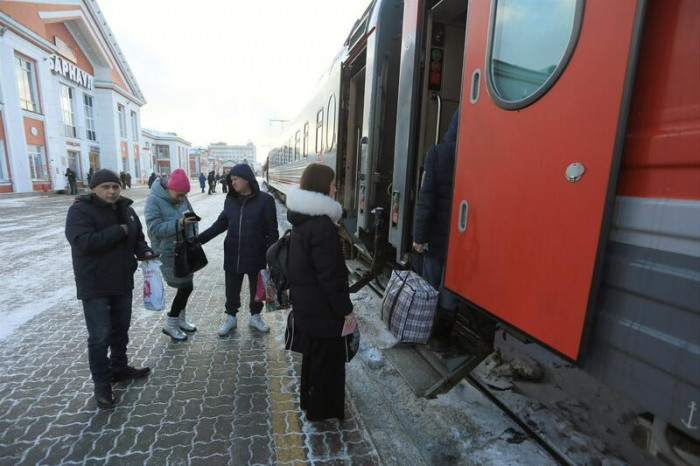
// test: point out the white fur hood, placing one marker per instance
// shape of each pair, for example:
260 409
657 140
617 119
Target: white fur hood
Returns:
315 204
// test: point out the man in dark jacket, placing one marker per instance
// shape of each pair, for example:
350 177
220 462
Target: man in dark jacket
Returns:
106 238
151 179
70 174
431 229
250 217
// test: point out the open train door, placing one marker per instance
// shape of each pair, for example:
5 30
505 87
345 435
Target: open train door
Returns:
545 98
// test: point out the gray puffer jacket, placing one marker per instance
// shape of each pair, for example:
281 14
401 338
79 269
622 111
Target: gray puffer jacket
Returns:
162 215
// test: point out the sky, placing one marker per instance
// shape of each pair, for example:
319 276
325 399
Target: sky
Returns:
219 70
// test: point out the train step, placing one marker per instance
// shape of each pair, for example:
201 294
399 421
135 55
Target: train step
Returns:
430 373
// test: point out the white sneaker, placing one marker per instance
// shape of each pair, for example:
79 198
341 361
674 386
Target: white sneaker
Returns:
257 323
228 325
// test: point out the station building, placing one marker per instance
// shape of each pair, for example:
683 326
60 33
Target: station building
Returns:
165 152
67 96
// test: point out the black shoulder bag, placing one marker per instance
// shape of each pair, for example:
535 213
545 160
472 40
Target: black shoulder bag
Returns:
189 255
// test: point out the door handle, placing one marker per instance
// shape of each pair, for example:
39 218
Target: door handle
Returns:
463 216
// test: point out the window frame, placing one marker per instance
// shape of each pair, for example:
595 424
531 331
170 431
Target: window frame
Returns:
553 78
121 116
89 111
70 129
297 145
329 120
319 126
305 143
32 82
134 126
33 155
4 172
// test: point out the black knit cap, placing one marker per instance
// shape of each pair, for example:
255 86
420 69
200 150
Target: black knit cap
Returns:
104 176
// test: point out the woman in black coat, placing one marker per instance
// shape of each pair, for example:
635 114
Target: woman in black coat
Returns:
320 292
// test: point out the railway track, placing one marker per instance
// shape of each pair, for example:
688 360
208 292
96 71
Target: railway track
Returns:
551 449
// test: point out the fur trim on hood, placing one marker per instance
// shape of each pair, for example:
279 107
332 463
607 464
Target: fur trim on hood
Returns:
314 204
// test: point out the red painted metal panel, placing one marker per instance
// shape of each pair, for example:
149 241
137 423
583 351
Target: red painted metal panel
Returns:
662 152
529 252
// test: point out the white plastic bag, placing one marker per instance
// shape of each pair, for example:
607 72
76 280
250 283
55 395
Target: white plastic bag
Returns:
153 292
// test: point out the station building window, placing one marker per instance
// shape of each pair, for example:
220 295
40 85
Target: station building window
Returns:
531 42
4 175
37 163
122 121
319 131
89 106
134 127
68 110
26 82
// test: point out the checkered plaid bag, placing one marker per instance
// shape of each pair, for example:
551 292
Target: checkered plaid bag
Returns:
408 307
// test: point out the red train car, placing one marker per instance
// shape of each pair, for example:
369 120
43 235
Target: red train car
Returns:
576 209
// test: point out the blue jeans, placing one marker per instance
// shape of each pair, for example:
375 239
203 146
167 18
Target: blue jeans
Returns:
108 320
434 273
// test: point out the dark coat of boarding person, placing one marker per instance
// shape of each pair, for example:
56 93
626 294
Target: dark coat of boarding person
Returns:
431 228
320 291
106 238
250 220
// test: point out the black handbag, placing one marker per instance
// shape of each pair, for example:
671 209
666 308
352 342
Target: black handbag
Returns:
189 255
294 340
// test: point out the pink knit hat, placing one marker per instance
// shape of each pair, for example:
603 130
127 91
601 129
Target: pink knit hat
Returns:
178 181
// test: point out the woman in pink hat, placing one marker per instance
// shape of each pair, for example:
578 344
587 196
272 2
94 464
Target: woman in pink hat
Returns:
165 220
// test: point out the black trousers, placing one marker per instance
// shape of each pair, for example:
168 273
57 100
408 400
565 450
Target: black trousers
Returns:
108 321
323 379
180 300
234 283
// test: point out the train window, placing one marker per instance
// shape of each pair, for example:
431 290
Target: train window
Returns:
297 141
330 123
305 145
530 44
319 131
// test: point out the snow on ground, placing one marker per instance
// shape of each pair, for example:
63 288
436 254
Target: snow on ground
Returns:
36 268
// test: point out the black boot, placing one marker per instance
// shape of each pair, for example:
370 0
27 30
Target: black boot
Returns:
129 372
104 397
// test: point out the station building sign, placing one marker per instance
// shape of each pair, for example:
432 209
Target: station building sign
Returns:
69 71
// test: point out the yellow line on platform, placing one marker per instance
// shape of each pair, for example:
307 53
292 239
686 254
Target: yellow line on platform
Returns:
286 425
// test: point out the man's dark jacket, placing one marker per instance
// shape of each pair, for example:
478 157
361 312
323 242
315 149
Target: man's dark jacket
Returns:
251 222
435 199
318 276
104 256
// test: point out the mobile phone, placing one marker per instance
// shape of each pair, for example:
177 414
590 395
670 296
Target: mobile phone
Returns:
189 214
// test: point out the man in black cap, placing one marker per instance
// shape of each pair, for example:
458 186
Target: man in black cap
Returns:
106 238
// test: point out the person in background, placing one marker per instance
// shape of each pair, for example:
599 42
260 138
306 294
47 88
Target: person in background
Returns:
151 179
202 181
73 185
224 187
318 283
106 238
127 180
89 175
212 182
250 216
432 224
122 179
165 221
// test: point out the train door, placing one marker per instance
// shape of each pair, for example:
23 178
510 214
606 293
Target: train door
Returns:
545 99
376 153
352 92
430 83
